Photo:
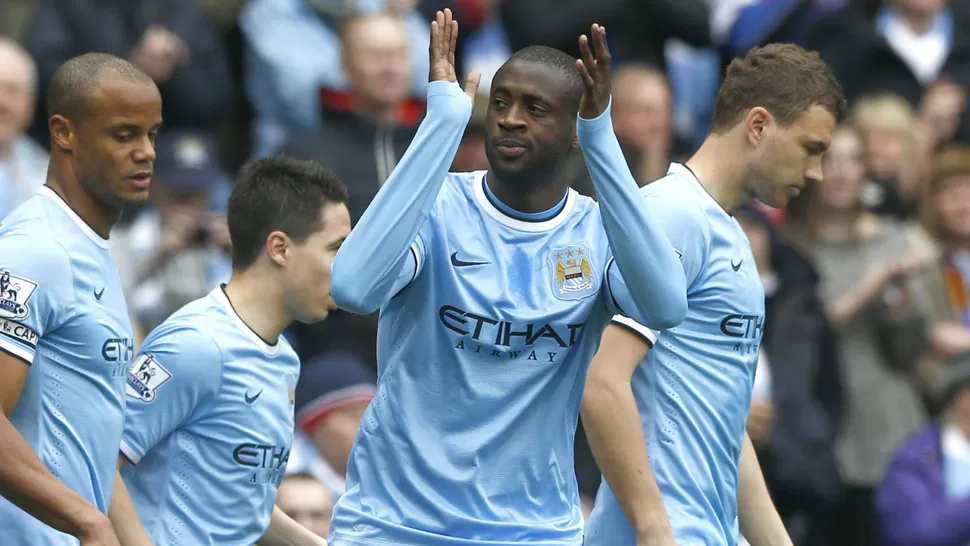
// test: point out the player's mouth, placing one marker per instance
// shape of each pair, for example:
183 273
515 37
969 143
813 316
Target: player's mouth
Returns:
510 148
141 180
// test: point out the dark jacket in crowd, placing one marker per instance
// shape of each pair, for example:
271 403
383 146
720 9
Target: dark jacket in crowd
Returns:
198 94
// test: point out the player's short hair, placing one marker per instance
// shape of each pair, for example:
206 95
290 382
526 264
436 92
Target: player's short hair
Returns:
278 194
559 60
78 79
784 79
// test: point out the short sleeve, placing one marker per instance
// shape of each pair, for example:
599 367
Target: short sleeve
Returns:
36 292
685 225
177 371
650 336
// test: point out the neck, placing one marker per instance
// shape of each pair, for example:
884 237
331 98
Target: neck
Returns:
719 167
837 224
956 245
62 180
375 112
918 21
6 148
259 303
537 198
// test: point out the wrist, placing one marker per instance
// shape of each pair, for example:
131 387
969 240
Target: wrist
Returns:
88 522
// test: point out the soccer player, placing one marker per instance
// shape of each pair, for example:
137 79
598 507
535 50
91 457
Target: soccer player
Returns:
494 288
686 445
210 394
65 337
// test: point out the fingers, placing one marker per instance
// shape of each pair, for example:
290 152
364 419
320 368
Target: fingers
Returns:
471 84
586 64
598 33
453 42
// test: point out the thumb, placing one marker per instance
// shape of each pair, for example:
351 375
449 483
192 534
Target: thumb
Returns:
471 84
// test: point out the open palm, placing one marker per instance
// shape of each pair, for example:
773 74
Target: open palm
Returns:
444 38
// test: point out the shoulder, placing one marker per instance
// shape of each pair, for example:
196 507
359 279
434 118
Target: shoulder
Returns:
188 332
28 244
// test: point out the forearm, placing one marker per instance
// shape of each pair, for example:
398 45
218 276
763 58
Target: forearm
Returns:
759 520
27 483
611 420
366 262
124 517
283 531
643 252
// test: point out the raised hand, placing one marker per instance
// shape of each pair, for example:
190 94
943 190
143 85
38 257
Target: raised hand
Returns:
595 71
444 37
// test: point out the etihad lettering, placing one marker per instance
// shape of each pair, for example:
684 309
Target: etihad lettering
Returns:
500 333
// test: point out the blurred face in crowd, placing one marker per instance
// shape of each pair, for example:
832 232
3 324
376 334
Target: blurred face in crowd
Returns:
112 141
786 157
530 123
642 106
308 502
953 206
886 148
17 86
920 6
377 59
844 168
308 269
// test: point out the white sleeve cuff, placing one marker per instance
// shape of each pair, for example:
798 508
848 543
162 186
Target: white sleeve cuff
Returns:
16 349
637 328
130 453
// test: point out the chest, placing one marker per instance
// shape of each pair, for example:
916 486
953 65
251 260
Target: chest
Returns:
98 335
512 289
255 401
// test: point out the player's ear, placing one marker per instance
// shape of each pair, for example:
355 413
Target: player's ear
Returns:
277 248
62 132
756 123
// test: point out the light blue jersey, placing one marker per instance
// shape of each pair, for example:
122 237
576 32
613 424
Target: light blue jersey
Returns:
694 387
489 319
63 312
209 427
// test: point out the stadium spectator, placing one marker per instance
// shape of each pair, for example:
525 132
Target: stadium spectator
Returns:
909 47
172 41
946 216
23 163
364 134
331 397
642 110
866 266
471 153
894 153
177 250
305 499
924 499
797 399
294 48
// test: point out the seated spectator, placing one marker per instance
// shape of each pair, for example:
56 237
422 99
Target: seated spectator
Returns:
797 402
294 48
331 397
23 163
176 250
305 499
365 133
172 41
924 500
642 112
946 216
867 267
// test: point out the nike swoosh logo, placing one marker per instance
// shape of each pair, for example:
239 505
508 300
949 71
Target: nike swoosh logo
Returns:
461 263
738 265
97 294
251 399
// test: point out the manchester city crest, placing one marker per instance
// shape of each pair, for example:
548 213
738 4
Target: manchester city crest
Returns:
572 273
14 293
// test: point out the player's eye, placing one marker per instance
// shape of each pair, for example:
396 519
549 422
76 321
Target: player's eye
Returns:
124 136
499 103
537 110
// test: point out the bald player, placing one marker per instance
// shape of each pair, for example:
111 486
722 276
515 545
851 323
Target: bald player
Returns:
23 164
65 338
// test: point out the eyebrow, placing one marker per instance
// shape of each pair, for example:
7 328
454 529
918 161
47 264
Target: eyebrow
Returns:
337 243
816 147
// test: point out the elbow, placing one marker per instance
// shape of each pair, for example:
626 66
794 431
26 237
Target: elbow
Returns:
348 292
601 388
672 314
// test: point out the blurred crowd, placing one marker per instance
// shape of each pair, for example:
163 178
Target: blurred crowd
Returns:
861 409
